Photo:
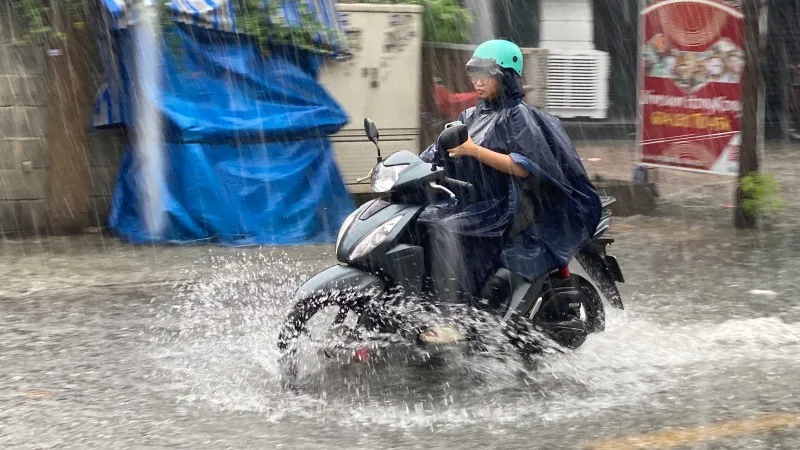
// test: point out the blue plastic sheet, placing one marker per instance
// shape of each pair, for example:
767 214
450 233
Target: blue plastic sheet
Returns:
246 149
281 193
321 24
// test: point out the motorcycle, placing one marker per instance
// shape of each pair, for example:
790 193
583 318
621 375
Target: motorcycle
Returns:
382 259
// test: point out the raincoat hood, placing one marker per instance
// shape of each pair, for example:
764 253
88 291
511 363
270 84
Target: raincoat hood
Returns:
511 91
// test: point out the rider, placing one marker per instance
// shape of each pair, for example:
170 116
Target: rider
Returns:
533 206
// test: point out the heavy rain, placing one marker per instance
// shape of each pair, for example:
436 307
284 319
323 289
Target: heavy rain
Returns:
204 244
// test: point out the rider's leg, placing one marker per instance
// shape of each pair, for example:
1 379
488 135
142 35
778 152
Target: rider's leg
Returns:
448 268
496 290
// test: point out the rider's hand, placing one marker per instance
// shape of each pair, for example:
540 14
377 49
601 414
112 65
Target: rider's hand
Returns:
468 148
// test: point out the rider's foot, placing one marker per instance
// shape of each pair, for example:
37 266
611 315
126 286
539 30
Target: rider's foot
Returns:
441 335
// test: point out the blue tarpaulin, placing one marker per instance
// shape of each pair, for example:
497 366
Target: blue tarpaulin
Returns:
321 21
246 147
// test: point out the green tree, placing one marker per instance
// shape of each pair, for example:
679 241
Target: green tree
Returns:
443 20
41 17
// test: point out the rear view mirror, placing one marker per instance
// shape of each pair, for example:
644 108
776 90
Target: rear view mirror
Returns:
371 130
453 136
372 134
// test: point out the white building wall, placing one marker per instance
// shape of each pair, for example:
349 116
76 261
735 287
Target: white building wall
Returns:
567 24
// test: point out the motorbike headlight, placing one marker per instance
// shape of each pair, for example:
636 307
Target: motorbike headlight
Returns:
345 225
373 239
383 178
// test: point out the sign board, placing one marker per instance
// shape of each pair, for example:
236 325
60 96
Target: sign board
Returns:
690 72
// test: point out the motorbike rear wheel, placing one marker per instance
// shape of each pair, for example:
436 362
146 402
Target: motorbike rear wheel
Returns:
567 325
595 319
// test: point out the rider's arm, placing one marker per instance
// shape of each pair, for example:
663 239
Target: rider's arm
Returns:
498 161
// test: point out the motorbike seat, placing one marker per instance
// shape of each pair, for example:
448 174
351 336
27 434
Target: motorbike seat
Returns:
532 196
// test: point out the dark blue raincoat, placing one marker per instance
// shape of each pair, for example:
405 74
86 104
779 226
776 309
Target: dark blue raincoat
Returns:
567 207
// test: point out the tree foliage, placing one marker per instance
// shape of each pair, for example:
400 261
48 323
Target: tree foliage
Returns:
760 192
443 20
267 25
40 19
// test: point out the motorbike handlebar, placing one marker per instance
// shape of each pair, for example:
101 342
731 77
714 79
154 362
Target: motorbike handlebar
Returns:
459 184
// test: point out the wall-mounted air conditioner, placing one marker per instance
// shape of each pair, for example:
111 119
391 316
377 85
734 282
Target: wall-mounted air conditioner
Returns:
577 83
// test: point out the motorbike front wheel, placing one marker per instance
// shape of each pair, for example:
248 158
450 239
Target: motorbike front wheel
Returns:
340 314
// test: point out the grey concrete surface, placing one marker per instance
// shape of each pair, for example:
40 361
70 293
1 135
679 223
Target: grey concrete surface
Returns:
104 345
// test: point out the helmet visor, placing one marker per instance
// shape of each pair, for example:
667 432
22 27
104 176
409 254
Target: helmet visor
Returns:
481 63
481 69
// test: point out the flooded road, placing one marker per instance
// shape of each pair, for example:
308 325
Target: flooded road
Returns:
106 346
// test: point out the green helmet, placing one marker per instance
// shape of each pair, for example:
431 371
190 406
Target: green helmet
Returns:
491 54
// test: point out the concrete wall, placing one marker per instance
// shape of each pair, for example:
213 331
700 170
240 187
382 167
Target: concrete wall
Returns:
104 151
567 24
24 149
24 159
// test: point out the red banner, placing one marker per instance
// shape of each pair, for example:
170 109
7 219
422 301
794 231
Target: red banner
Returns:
691 67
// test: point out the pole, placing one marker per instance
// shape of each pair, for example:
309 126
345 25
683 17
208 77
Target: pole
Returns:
751 93
149 143
67 111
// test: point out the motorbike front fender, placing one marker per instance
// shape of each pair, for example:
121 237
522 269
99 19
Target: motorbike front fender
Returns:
339 278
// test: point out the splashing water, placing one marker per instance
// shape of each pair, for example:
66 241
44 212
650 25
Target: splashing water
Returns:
218 347
148 141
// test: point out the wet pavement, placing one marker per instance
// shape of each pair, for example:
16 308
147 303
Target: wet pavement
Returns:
104 345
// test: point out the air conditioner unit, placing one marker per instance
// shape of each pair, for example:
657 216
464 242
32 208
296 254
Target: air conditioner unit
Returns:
577 83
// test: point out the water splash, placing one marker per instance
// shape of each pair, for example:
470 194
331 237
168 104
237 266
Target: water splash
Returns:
218 348
148 141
